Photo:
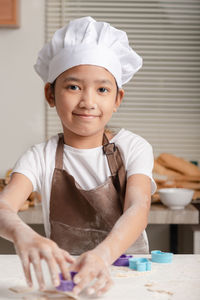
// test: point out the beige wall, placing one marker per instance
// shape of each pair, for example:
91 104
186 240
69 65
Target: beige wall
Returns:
22 111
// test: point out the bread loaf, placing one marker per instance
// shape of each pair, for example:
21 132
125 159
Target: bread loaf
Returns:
160 169
188 178
178 164
188 185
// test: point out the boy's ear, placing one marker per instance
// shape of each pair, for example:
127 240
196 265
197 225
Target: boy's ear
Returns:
119 98
49 94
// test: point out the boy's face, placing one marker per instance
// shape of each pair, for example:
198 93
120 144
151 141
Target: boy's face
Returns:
85 97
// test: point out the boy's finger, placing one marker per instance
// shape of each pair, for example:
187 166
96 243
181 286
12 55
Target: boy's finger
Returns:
82 279
53 269
26 267
70 259
35 260
60 259
99 284
106 287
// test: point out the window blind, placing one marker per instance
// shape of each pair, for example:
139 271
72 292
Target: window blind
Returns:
162 101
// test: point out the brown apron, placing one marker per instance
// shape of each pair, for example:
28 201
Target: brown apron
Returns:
81 219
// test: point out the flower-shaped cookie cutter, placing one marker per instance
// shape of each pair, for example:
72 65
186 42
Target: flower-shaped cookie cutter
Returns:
123 261
140 264
161 257
66 285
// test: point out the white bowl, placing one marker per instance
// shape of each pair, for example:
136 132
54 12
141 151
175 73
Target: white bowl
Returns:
175 198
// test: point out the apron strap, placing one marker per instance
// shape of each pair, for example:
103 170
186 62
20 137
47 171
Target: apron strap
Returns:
116 166
59 152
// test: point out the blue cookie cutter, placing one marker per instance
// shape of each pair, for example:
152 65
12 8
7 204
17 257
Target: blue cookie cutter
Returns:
140 264
66 285
161 257
123 261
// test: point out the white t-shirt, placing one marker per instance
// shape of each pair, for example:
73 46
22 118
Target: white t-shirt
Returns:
89 167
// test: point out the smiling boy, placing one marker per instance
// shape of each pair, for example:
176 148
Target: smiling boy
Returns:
95 186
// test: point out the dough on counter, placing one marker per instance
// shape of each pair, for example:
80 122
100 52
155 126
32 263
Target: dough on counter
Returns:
34 298
45 295
21 289
54 294
160 291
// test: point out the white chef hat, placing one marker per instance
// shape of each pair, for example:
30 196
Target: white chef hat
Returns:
87 42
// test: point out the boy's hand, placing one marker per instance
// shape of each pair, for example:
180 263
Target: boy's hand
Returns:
32 248
91 266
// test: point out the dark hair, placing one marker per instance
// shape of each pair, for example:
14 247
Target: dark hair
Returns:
52 85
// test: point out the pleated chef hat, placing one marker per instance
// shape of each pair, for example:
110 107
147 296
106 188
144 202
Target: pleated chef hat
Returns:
87 42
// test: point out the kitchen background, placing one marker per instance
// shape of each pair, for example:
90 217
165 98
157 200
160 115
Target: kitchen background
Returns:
162 102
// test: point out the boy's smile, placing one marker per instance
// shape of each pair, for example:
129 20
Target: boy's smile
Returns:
85 97
85 116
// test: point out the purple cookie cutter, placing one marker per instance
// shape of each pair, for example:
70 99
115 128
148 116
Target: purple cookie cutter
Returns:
66 285
122 261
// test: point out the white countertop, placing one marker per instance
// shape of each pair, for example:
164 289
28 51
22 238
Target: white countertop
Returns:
159 214
179 280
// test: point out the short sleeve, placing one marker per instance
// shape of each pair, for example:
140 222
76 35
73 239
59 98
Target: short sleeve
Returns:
137 154
30 165
140 160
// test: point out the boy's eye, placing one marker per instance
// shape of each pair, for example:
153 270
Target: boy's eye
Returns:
73 87
103 90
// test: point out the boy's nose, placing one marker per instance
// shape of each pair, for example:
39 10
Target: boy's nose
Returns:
88 100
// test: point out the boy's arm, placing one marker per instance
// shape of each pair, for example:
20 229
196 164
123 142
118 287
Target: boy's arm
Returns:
126 230
30 246
134 219
11 199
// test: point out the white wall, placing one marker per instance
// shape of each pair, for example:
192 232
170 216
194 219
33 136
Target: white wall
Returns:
22 110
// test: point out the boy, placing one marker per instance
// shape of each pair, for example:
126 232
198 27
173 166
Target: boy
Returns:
95 186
